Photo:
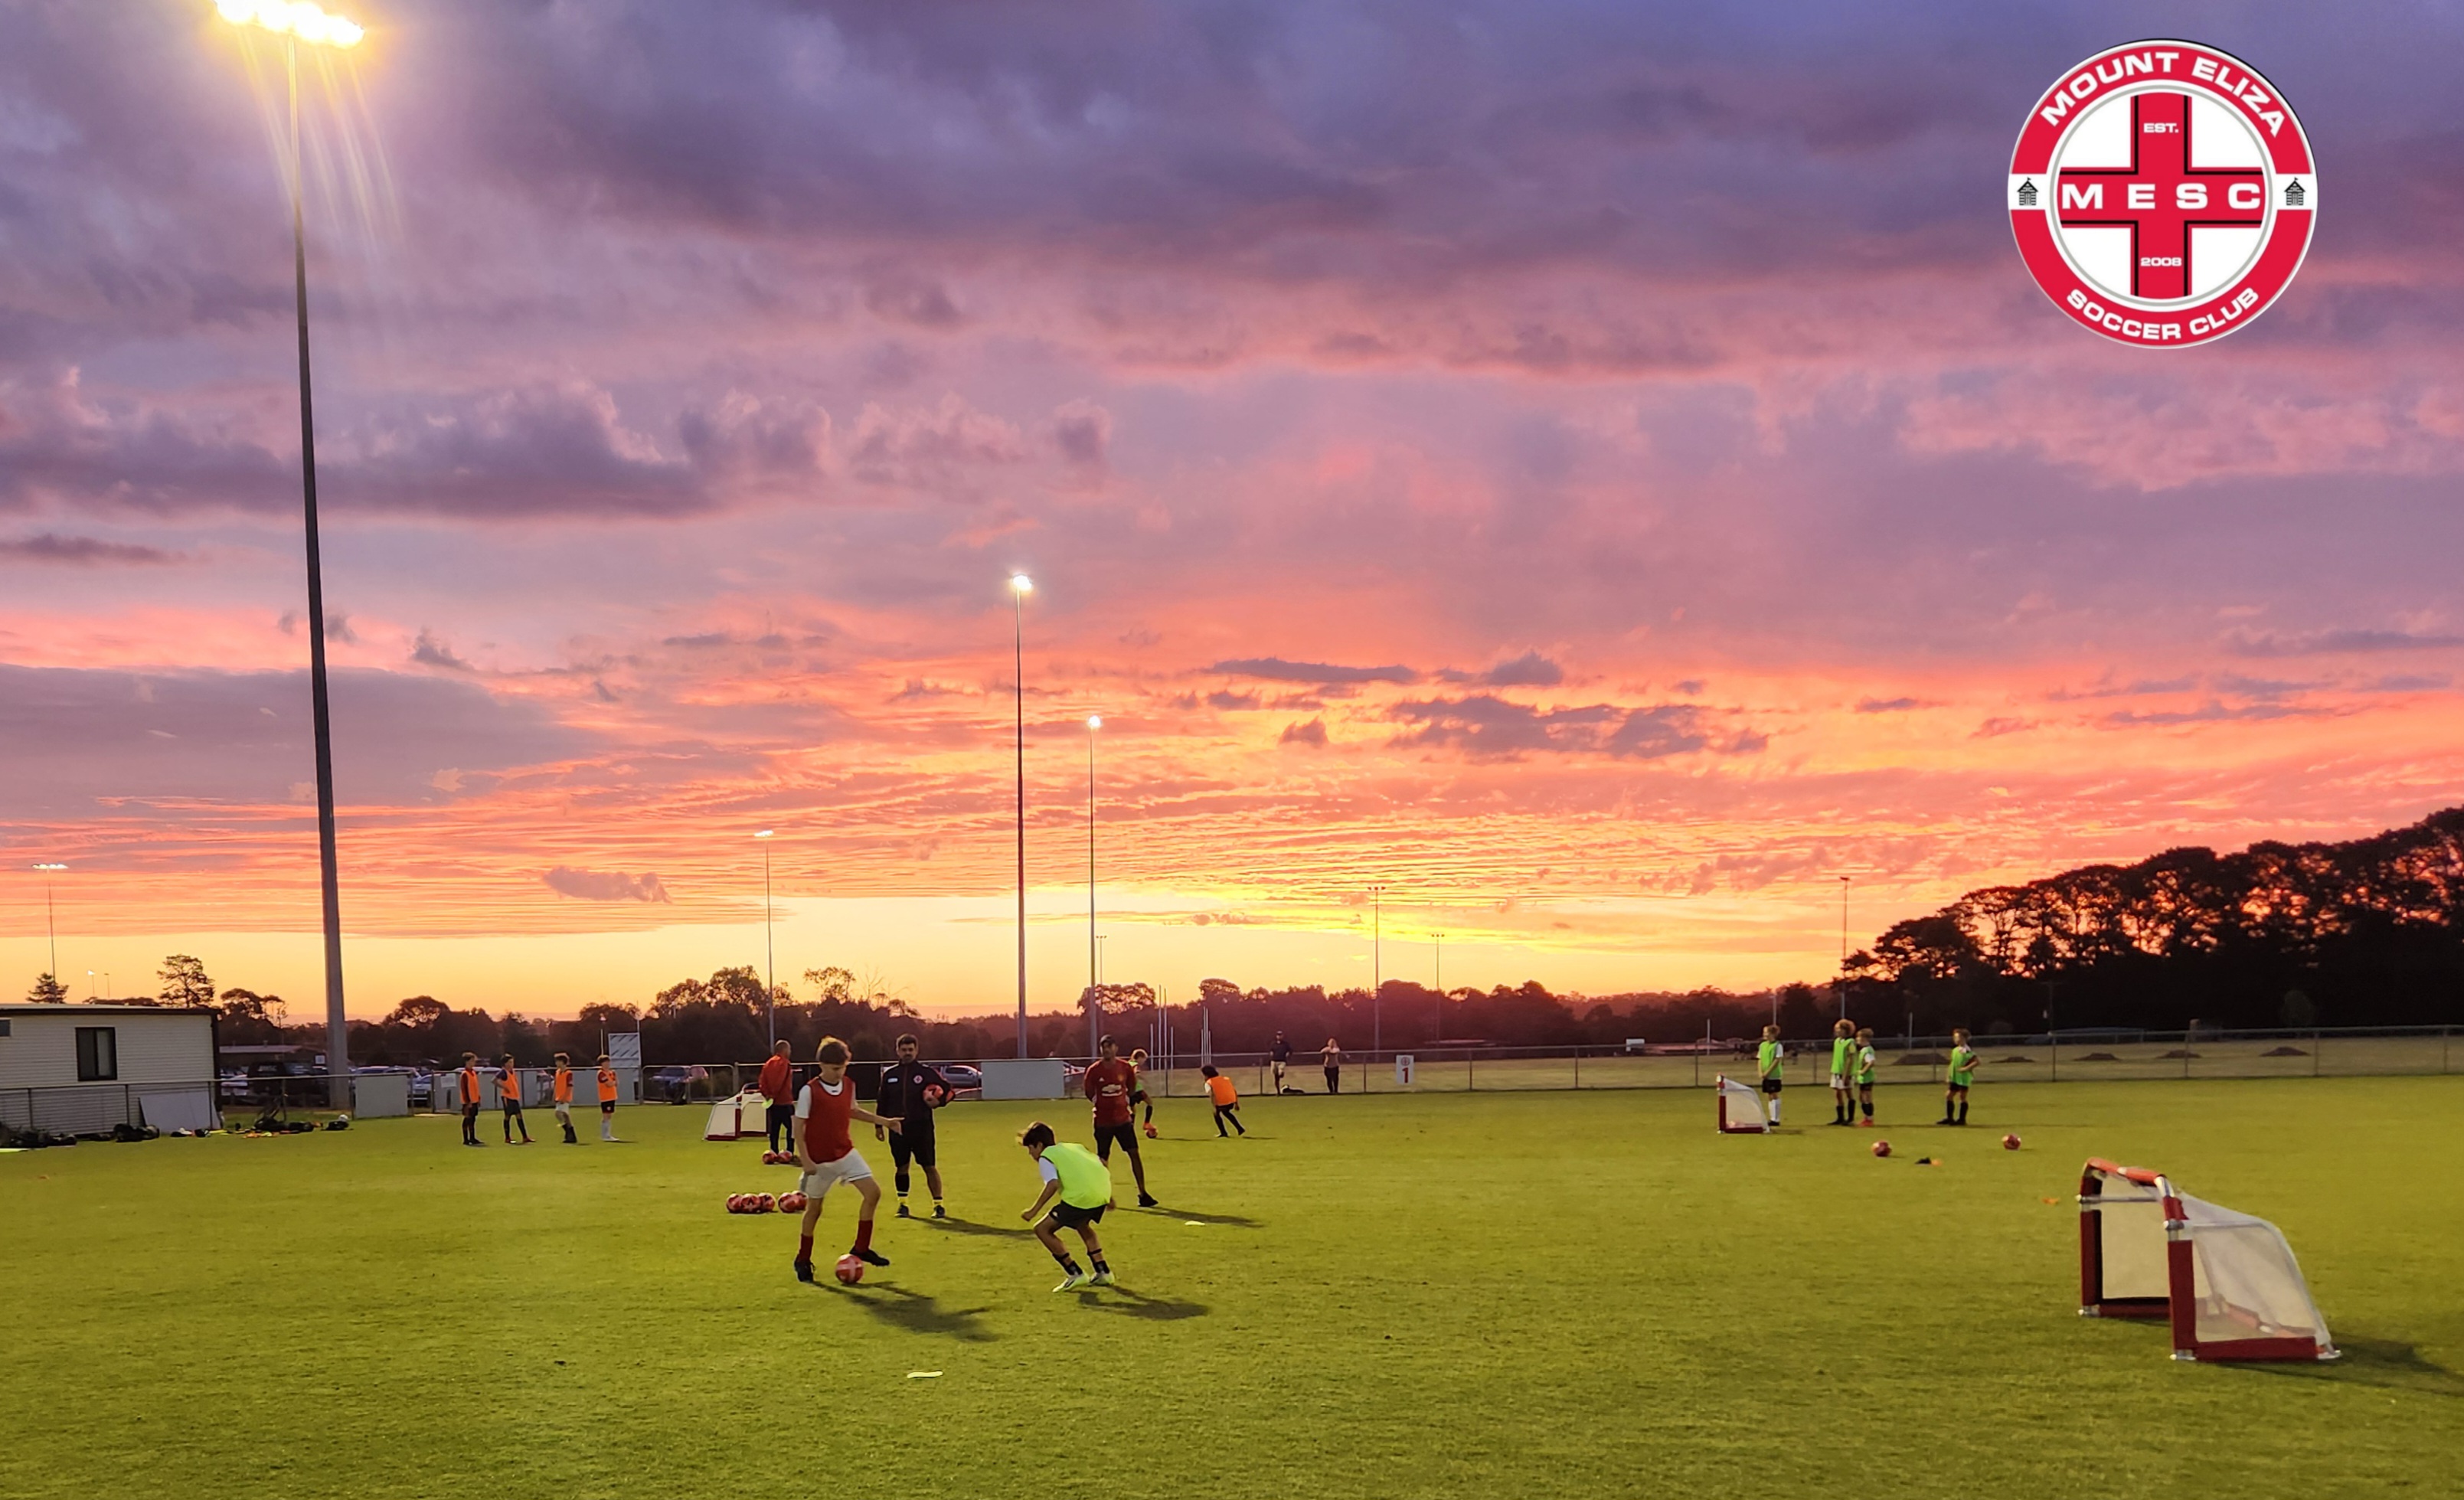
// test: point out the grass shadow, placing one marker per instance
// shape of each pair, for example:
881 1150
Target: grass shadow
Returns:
1187 1215
2384 1363
957 1225
1122 1302
922 1312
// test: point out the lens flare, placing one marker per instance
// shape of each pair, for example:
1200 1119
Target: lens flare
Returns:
309 23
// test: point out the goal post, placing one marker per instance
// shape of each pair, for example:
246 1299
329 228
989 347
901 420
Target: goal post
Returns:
2229 1288
1741 1108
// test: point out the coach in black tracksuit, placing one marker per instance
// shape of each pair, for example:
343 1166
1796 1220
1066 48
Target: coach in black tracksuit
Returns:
910 1092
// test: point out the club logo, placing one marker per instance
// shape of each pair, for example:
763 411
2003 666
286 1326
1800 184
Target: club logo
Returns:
2163 193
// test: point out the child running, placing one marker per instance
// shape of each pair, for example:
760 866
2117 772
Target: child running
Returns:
1138 1093
1227 1101
1865 1072
1843 1052
1086 1190
827 1153
1771 1060
1963 1073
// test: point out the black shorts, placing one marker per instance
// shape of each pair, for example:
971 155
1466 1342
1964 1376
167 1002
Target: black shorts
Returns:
1070 1216
470 1109
1770 1085
909 1143
512 1106
606 1106
1124 1133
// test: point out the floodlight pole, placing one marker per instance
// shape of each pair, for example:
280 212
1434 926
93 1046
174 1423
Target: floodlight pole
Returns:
1376 965
1018 692
1094 958
338 1033
1843 947
769 952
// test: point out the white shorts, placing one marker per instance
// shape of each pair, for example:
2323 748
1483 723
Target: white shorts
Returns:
564 1109
849 1168
1840 1080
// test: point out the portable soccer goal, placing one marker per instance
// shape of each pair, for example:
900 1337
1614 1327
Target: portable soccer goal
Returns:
738 1117
2227 1283
1741 1108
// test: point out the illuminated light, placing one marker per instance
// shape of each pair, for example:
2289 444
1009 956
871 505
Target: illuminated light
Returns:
297 18
1021 584
763 834
1094 721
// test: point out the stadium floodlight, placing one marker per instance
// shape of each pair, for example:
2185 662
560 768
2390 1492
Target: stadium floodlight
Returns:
298 21
294 18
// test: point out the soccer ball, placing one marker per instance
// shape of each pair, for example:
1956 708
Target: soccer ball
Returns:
932 1095
791 1203
2010 1142
1151 1130
850 1270
766 1205
769 1158
1881 1148
736 1203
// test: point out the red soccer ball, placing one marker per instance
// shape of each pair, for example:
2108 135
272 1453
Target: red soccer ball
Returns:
850 1270
2010 1142
791 1203
1151 1130
1881 1148
736 1203
933 1096
769 1158
767 1204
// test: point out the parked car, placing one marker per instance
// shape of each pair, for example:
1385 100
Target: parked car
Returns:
966 1080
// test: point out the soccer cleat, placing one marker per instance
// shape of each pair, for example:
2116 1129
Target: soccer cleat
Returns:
1102 1278
1072 1282
939 1213
1148 1200
804 1270
903 1213
871 1257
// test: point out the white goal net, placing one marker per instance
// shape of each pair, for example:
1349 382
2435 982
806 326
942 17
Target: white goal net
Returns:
1741 1108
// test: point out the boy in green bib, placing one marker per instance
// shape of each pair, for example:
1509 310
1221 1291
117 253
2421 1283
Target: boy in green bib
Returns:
1865 1072
1963 1073
1084 1185
1770 1061
1843 1054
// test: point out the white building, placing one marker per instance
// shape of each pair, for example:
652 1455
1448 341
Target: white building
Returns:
81 1070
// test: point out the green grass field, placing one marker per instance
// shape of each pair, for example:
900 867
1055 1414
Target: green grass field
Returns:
1477 1295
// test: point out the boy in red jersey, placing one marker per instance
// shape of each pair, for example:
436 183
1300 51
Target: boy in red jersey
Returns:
1110 1083
824 1111
778 1087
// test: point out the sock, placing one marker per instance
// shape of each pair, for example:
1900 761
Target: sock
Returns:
1963 1111
1066 1264
805 1249
1774 1109
900 1182
863 1236
1096 1260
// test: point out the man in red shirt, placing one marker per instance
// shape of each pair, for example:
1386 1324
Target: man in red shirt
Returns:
823 1112
1110 1083
778 1086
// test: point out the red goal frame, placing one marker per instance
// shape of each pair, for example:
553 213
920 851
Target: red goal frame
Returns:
2179 1305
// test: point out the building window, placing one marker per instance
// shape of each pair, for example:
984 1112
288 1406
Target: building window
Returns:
97 1055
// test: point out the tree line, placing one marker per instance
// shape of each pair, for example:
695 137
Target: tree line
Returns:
2366 932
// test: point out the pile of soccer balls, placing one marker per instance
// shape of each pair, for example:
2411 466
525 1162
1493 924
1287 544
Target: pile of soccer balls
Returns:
778 1158
754 1204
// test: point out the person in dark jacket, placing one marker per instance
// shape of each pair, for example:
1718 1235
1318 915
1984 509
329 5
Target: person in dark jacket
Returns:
910 1092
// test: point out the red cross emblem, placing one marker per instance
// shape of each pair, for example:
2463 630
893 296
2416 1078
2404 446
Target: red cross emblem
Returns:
2163 193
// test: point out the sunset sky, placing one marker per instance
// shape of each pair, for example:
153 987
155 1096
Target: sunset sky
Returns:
1602 471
